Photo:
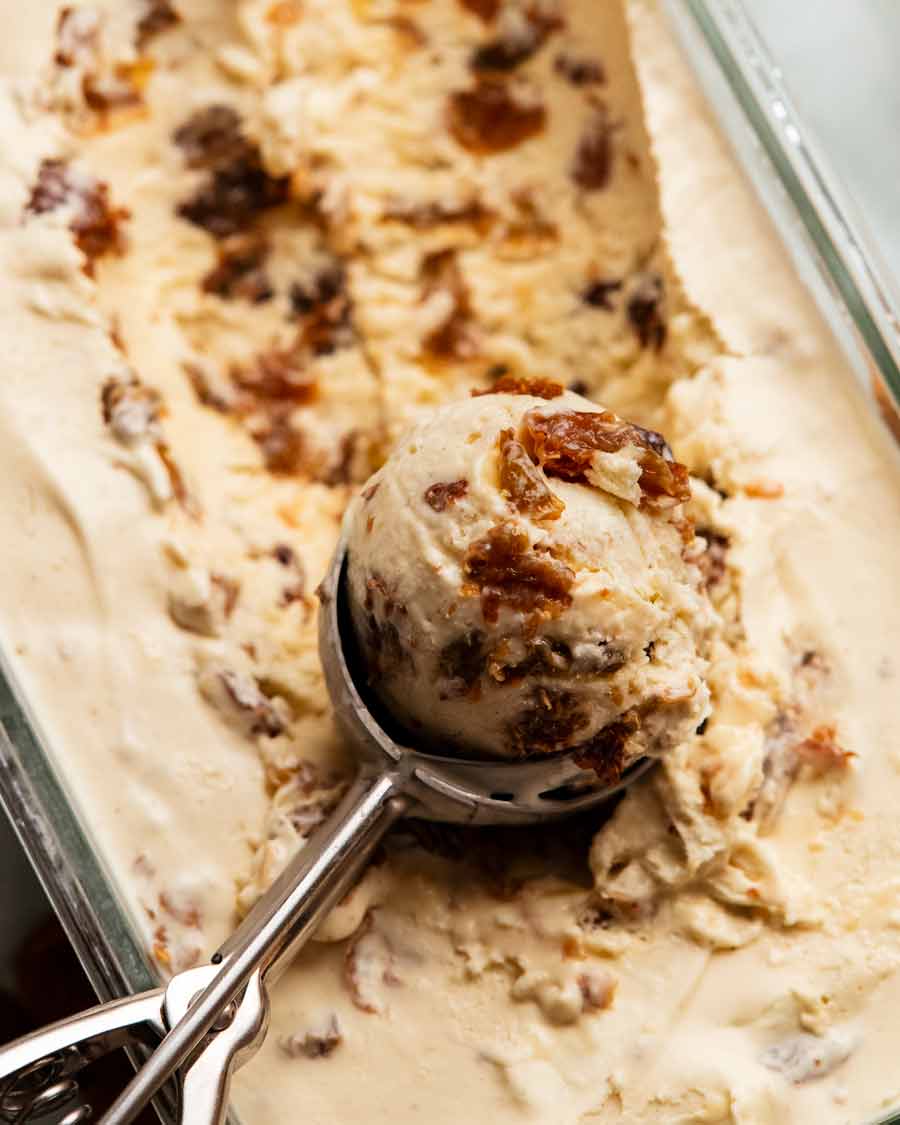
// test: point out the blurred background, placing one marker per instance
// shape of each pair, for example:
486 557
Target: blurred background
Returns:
839 60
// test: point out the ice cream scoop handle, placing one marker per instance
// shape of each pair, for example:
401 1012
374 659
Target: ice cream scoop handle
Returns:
318 876
272 933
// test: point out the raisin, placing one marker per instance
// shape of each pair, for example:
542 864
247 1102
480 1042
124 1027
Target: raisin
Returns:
516 46
463 660
564 445
504 54
330 328
273 378
327 309
441 495
592 167
452 338
506 572
543 657
522 482
323 288
282 445
549 723
386 650
95 224
488 118
52 189
234 196
598 294
317 1043
645 309
158 16
239 271
238 188
607 752
580 72
713 561
211 137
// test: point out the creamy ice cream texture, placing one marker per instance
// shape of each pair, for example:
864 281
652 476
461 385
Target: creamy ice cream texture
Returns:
244 247
519 586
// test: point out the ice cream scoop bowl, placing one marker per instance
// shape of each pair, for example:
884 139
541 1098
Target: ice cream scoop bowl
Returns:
212 1018
438 787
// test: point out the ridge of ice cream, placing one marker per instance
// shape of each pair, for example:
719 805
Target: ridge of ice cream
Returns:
519 582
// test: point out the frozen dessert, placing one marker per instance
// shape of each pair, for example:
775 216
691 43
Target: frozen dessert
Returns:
244 247
519 586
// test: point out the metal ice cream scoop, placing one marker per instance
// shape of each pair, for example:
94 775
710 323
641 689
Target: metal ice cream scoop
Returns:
211 1019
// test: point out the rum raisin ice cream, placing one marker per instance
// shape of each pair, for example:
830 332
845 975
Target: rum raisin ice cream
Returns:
519 584
244 247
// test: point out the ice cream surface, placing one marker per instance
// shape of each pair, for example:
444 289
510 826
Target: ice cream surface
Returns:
519 586
244 247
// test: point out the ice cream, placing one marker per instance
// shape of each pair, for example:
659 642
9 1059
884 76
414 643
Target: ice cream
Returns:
519 585
243 247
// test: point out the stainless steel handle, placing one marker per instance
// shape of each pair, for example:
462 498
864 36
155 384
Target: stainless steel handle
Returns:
206 1083
94 1032
319 876
35 1069
272 933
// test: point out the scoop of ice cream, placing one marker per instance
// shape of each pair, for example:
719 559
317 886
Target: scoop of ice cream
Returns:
519 585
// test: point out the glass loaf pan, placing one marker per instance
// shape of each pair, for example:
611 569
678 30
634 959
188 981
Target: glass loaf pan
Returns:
833 255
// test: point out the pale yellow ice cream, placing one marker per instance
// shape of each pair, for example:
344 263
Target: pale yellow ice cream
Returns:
243 246
520 583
